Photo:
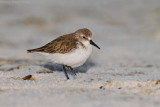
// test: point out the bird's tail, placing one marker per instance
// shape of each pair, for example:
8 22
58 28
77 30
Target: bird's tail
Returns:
30 50
35 50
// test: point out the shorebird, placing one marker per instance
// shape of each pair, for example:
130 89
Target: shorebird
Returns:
70 50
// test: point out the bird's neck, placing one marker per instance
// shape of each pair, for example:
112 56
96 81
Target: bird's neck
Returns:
84 44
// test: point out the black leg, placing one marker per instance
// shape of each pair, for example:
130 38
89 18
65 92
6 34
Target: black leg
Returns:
65 72
71 69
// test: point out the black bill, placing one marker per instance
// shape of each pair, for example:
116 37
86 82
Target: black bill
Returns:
92 43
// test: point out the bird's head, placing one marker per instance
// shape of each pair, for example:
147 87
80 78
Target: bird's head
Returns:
85 36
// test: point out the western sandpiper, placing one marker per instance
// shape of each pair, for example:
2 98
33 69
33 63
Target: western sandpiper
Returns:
70 50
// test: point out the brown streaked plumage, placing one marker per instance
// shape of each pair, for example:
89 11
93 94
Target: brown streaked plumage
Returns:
85 31
64 44
83 46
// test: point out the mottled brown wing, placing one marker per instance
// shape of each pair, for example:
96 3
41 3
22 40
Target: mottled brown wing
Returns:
62 44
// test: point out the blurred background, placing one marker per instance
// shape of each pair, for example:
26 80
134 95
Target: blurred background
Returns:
126 30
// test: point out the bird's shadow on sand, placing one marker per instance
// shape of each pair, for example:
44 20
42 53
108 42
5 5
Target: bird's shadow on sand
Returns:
82 69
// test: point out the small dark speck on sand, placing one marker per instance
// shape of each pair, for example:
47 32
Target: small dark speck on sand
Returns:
28 77
148 66
102 87
120 88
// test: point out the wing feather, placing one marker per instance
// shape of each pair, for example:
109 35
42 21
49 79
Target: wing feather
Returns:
62 44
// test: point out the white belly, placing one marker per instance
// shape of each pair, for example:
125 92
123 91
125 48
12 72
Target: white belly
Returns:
74 59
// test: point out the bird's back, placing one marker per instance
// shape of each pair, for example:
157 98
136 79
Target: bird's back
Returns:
62 44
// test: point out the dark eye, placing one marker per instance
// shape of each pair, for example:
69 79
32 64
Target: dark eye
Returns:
84 37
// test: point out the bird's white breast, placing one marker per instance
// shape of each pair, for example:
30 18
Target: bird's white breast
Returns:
74 59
